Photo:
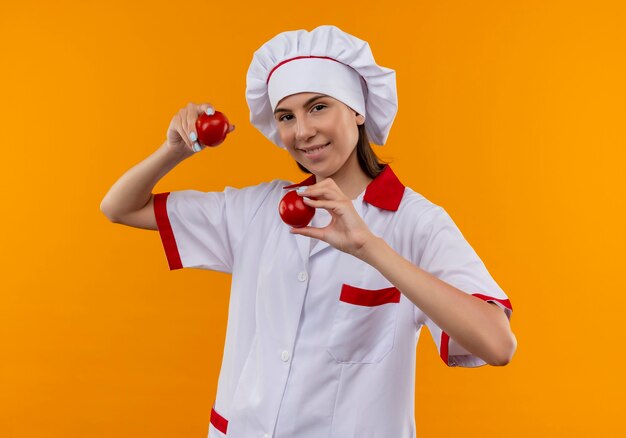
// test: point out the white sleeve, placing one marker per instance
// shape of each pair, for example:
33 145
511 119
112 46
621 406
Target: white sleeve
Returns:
203 229
442 251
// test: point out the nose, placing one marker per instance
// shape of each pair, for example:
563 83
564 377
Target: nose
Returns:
304 129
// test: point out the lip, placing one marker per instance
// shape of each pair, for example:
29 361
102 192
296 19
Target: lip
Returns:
313 147
314 156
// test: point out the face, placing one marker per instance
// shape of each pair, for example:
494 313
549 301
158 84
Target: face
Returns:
319 132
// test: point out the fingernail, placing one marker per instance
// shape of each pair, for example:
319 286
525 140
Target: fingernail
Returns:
196 147
193 136
209 111
301 189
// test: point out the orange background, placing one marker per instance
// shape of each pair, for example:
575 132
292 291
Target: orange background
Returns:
511 117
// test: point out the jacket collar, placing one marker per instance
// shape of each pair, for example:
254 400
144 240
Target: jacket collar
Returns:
385 191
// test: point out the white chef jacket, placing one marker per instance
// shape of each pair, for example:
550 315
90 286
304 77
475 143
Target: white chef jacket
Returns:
319 343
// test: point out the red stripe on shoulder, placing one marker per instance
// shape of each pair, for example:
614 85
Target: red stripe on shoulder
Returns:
219 422
165 231
505 303
445 338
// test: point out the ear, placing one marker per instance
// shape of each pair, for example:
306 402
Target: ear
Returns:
360 119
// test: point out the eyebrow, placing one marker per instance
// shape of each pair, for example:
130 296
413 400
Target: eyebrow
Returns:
314 98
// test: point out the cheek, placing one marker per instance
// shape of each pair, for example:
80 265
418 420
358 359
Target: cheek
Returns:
351 134
284 135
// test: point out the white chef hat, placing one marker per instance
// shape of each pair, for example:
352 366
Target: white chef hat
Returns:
326 60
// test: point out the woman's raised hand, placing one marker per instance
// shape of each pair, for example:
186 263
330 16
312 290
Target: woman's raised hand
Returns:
182 135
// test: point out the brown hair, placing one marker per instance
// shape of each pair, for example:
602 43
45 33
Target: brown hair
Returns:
368 161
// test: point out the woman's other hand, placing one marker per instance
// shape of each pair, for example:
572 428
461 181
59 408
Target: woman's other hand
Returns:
346 231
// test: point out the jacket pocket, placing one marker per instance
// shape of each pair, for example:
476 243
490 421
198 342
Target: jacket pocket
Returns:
364 325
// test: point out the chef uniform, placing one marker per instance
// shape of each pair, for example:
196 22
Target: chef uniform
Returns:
319 343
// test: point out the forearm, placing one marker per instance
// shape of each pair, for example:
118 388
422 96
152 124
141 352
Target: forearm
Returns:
481 328
133 190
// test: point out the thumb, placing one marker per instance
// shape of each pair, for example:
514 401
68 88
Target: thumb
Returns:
231 128
307 231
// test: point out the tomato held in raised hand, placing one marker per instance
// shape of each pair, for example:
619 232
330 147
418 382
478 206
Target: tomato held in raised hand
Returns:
293 211
212 128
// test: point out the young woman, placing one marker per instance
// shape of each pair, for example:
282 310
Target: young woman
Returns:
323 320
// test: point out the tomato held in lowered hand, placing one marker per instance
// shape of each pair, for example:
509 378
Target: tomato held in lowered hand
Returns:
212 128
293 211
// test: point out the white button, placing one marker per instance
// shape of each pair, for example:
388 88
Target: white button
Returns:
302 276
285 356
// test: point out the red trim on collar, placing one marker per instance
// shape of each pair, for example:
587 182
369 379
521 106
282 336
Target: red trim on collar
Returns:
385 191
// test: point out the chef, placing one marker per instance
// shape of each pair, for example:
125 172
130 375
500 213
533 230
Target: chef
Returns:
323 320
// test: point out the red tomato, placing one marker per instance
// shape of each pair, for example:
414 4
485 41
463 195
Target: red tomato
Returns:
212 130
293 211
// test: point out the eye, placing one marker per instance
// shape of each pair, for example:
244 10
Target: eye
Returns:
282 118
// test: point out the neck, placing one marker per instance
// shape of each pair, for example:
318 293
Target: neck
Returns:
350 179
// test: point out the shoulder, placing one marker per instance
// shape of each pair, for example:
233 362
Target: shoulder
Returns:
262 189
421 217
256 194
261 196
246 198
416 208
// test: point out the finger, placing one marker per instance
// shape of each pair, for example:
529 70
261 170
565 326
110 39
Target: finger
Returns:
309 190
183 123
325 204
192 116
326 183
313 232
206 106
180 127
329 182
331 185
231 128
322 192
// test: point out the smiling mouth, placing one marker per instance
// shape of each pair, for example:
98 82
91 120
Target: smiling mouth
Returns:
313 151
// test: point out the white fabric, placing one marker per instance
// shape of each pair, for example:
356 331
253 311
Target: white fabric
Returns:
378 84
292 366
318 75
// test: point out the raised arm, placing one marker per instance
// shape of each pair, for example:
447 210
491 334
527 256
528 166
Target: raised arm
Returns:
130 200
